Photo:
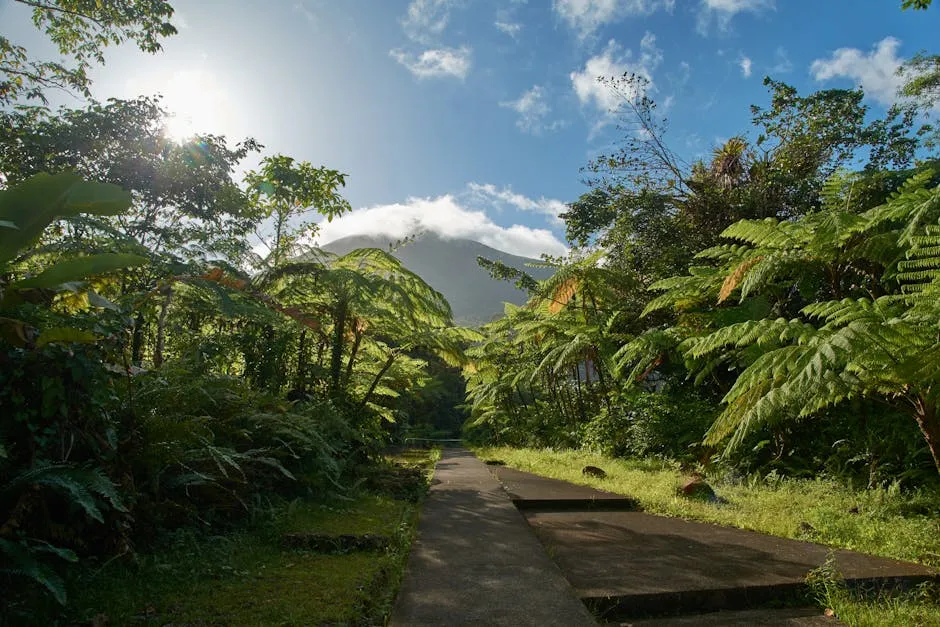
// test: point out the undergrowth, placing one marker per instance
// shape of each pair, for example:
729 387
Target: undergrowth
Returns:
249 577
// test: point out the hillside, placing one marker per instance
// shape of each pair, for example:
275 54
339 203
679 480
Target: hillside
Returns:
450 266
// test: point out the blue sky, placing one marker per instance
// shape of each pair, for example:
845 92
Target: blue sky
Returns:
472 117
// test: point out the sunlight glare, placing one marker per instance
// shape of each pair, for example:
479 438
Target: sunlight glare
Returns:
194 104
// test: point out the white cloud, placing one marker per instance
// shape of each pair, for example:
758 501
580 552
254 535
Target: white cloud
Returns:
722 11
586 16
488 193
533 112
425 20
447 217
783 64
437 62
875 72
683 75
745 64
509 28
615 62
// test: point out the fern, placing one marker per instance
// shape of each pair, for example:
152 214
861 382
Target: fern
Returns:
21 560
83 486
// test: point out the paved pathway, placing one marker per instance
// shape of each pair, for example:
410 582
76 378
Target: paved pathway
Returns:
475 560
628 563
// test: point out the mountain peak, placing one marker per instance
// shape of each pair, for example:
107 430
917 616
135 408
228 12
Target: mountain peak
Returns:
449 265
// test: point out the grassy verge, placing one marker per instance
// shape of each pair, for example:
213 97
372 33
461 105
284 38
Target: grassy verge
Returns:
880 522
888 523
251 578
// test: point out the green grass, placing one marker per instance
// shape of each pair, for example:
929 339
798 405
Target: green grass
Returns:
247 578
920 607
888 522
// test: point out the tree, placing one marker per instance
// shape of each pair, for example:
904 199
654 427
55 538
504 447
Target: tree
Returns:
285 192
82 30
187 209
866 327
364 306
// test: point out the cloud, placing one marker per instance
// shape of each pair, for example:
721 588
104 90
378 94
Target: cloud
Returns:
489 194
683 75
875 72
745 64
308 13
446 216
722 11
783 64
586 16
613 62
437 62
533 112
509 28
425 20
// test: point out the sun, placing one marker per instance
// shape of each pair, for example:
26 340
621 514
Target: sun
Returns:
195 104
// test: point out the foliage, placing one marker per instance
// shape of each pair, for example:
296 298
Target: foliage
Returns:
80 30
285 191
645 424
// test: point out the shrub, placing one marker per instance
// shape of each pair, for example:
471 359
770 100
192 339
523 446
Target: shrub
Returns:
650 424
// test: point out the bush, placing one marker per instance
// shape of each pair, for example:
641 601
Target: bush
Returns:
670 425
208 444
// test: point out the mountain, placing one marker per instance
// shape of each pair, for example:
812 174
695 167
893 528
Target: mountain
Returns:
450 266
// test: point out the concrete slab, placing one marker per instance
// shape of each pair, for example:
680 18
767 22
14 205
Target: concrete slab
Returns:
533 492
788 617
476 561
630 563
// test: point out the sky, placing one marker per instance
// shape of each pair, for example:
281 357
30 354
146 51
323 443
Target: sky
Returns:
473 118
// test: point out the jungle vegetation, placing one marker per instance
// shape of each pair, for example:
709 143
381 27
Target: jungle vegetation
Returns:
769 310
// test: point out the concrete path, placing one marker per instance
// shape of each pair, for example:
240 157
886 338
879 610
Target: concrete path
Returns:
627 563
476 561
533 492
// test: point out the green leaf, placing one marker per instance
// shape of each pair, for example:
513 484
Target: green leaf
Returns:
65 335
34 204
102 199
97 300
14 332
22 562
79 268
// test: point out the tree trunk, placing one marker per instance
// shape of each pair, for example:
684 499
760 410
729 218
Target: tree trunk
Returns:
577 378
161 328
925 412
137 340
352 358
301 383
375 381
336 350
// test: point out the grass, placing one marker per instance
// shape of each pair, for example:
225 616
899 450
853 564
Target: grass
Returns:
887 523
248 578
920 607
